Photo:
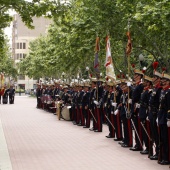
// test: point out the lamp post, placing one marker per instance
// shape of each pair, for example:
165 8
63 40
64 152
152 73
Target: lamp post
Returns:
141 59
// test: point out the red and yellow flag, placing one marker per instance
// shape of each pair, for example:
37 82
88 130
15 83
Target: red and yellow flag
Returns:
129 44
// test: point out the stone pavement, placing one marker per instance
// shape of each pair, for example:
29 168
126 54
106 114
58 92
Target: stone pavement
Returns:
32 139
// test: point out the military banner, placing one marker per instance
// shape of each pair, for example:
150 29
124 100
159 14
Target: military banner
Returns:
110 73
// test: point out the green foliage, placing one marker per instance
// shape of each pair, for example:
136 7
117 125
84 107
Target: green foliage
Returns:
69 45
6 65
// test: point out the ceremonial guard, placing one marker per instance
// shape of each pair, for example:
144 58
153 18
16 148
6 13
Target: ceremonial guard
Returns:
108 100
38 95
99 108
135 109
123 108
85 105
164 109
73 105
117 121
5 95
143 113
11 95
80 118
93 94
153 109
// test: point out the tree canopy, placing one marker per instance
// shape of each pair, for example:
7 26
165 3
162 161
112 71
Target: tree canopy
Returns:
69 45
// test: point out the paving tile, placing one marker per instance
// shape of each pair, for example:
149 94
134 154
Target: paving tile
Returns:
37 140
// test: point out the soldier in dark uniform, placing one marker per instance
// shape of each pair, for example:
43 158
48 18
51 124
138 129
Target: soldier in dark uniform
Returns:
93 94
11 95
73 104
164 108
153 110
117 120
143 110
135 108
38 95
5 95
85 105
108 99
99 106
80 118
127 130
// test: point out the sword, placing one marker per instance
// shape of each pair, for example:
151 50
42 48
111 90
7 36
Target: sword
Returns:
146 131
110 122
93 115
136 132
147 134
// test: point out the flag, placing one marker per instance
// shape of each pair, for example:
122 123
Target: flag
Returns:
2 80
129 44
109 64
96 58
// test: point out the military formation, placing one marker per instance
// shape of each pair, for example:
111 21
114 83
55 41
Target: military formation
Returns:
7 94
136 111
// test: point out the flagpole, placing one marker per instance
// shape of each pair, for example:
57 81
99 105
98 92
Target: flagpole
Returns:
128 114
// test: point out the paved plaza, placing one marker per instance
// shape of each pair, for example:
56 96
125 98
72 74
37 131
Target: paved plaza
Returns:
32 139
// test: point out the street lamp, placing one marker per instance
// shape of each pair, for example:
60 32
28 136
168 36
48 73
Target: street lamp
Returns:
141 59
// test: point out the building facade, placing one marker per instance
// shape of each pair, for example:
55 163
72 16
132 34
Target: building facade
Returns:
21 37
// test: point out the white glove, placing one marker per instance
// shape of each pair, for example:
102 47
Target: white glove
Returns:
147 118
157 121
116 112
130 101
96 102
114 104
112 112
168 123
128 84
68 107
137 105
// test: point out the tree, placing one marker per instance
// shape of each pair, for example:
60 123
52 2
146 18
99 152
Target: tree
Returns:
69 45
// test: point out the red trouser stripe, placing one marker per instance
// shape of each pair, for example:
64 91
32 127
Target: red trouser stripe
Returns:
140 130
130 132
88 119
112 121
98 120
82 117
119 132
78 116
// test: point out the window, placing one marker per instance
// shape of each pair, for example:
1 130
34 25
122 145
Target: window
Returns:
24 45
20 55
20 45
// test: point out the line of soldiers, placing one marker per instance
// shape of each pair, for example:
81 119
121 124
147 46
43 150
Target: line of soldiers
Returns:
141 108
6 92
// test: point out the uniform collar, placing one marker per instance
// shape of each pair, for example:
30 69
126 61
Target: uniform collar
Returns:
166 88
157 86
146 88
